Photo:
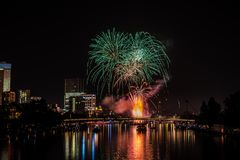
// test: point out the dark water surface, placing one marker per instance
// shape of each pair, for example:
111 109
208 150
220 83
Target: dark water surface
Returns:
120 142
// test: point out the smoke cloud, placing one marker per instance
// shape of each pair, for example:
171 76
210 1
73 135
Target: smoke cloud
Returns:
124 104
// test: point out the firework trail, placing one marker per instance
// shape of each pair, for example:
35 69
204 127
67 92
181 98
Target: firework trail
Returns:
119 60
106 54
125 64
136 101
141 96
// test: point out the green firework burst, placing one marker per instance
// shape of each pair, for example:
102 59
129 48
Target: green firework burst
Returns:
118 60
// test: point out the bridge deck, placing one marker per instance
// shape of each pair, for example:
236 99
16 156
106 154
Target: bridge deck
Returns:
129 119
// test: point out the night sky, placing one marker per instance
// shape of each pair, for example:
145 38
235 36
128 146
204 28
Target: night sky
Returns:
46 43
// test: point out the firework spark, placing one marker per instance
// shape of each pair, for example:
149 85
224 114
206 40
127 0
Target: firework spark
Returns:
119 60
124 64
141 96
146 59
137 110
106 54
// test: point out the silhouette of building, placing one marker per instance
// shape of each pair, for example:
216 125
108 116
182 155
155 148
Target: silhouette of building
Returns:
8 97
24 96
72 88
74 85
5 79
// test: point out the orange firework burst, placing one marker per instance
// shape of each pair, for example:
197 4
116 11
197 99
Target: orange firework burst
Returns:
137 107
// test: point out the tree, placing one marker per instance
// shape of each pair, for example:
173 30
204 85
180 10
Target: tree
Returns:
232 110
209 113
38 113
214 108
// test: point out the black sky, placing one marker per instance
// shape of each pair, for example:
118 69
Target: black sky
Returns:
49 42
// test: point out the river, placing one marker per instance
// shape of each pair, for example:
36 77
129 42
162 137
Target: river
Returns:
120 142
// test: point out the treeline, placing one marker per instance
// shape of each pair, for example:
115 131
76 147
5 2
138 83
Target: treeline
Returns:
37 112
211 112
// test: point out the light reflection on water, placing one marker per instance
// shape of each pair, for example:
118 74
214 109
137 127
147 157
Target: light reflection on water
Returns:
119 142
124 142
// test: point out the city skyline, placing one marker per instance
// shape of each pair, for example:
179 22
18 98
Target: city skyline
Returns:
53 44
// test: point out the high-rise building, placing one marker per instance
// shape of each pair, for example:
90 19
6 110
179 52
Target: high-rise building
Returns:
24 96
89 102
75 104
72 88
35 98
5 79
83 103
8 97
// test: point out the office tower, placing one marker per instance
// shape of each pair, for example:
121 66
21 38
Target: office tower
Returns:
72 88
5 79
24 96
83 103
35 98
89 101
8 97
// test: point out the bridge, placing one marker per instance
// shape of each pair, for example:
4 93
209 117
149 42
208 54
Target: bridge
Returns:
161 119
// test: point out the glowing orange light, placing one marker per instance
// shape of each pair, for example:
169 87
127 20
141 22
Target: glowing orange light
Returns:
137 107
